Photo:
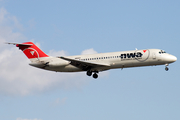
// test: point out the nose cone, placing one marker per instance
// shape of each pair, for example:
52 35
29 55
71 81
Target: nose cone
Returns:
171 58
174 58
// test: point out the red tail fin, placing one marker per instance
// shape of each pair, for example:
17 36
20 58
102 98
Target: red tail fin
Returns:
31 50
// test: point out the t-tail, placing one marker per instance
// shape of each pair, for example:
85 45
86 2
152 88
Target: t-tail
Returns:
31 51
38 58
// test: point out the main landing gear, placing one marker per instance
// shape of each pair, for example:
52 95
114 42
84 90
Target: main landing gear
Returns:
166 68
95 75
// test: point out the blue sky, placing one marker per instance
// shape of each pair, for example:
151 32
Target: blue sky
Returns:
72 27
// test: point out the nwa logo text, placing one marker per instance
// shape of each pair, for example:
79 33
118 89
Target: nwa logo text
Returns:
131 56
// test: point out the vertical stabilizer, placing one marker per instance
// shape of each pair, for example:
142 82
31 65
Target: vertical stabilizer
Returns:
31 50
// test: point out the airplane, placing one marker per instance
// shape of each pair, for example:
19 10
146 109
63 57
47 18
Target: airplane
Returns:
92 64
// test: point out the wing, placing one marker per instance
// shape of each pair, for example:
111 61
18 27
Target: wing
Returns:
85 65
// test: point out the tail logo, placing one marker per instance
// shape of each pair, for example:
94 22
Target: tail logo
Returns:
31 53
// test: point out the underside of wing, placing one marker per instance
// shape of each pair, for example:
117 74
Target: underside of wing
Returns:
85 65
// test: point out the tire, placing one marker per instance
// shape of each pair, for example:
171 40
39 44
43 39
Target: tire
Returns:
95 76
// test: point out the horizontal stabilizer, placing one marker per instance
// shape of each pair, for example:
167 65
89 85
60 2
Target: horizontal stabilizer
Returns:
19 44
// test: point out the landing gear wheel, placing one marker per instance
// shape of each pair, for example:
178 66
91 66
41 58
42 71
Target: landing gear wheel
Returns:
166 68
95 75
89 73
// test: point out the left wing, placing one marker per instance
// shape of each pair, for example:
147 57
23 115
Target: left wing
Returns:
85 65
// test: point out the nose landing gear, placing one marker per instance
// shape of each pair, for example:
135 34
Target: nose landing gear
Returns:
166 68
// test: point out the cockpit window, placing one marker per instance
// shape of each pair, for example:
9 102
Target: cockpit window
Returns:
161 52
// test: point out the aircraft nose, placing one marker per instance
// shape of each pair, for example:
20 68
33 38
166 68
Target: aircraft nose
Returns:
172 58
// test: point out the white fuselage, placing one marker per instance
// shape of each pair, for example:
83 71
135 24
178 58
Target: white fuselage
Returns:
124 59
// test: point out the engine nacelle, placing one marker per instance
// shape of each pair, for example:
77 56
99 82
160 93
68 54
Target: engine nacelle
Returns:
50 62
